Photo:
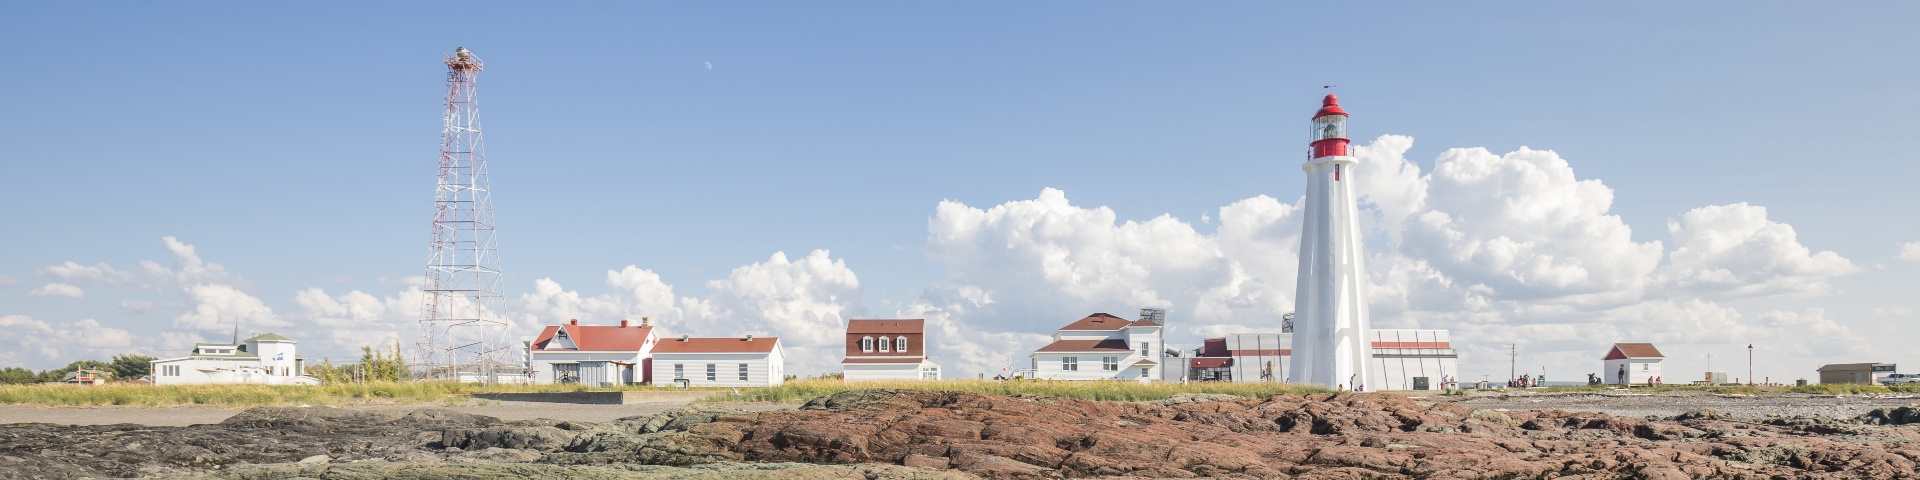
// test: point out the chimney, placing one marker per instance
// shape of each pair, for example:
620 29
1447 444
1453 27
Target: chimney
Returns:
646 321
683 337
749 337
575 321
623 323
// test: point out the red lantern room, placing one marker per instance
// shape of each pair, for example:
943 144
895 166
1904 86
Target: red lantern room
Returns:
1329 134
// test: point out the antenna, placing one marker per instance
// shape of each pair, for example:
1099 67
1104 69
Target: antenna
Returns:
460 324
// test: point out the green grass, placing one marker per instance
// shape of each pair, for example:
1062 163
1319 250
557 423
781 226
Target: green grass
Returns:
1818 389
256 395
801 390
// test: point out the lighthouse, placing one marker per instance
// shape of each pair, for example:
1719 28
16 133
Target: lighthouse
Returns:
1330 346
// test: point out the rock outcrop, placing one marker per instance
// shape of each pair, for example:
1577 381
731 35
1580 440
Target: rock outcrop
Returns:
914 434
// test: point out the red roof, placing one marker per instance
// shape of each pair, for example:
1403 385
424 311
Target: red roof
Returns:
902 360
716 345
1633 350
1329 106
889 326
1115 345
596 337
1098 322
1206 362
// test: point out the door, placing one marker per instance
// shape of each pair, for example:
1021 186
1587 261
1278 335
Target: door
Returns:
1419 383
646 371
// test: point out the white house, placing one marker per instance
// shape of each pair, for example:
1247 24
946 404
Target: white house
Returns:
1633 364
887 349
1102 347
1401 359
593 355
746 361
264 359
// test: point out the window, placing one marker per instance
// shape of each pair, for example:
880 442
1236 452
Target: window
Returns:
566 373
679 372
900 344
866 344
1146 371
1071 364
743 372
1110 363
1144 351
711 373
885 346
1643 367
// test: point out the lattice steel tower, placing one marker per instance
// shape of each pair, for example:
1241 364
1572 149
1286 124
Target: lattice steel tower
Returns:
461 323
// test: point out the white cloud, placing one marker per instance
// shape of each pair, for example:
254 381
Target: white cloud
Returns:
802 301
58 290
1910 251
60 344
98 272
219 308
1737 249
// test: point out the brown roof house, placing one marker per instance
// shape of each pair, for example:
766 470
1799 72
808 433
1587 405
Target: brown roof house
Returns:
1633 364
1102 346
887 349
593 355
743 361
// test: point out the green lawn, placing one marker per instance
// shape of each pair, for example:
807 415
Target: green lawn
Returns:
801 390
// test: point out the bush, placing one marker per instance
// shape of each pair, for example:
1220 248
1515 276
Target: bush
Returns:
131 367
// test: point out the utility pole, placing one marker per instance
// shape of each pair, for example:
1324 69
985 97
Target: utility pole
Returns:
1749 364
1513 357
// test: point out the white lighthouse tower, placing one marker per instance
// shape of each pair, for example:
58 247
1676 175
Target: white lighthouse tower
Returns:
1330 324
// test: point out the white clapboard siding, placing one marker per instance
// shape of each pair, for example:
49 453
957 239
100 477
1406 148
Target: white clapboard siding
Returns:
763 369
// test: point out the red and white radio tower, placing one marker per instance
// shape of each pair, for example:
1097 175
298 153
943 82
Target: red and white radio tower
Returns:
461 324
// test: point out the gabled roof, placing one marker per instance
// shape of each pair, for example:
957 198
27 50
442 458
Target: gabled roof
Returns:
1108 345
1098 322
596 338
887 326
715 345
1633 350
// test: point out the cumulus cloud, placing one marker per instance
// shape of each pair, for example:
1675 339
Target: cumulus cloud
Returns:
1737 249
1910 251
62 343
58 290
802 301
220 308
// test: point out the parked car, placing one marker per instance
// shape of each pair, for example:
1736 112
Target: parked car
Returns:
1901 379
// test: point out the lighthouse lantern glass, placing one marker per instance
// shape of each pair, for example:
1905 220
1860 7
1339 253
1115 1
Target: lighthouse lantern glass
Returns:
1330 126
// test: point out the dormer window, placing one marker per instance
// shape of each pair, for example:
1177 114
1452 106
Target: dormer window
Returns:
900 344
866 344
885 346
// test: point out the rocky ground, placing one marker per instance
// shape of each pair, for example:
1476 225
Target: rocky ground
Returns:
905 435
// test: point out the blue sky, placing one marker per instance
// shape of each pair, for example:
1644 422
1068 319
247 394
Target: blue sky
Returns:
294 146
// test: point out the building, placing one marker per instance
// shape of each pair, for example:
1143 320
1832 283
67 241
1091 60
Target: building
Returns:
1102 347
894 349
593 355
1860 373
1633 364
264 359
1331 294
1400 359
744 361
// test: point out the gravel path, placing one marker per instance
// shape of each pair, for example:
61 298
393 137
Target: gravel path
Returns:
1667 405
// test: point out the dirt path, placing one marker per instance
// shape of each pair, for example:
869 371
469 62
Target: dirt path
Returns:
194 415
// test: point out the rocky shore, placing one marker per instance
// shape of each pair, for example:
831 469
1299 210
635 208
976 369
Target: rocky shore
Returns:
932 435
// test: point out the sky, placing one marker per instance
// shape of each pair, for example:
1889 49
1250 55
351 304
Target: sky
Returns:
1551 177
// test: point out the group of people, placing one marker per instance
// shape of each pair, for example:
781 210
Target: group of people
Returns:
1526 381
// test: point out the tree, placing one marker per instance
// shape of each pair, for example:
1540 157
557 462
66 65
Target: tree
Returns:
17 375
131 366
